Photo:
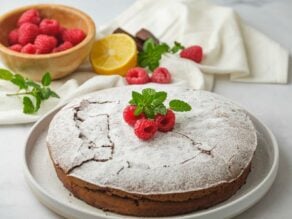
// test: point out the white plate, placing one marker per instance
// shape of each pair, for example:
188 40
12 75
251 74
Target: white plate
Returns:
43 181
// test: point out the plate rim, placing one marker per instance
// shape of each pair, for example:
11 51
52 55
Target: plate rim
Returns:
64 208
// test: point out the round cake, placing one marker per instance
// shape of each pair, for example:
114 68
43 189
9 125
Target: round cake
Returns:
203 161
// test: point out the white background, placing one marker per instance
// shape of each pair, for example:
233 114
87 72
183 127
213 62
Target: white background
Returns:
271 103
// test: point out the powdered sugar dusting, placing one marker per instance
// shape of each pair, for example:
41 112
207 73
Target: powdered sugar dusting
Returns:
209 145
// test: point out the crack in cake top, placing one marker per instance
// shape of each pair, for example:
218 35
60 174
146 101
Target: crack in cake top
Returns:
209 145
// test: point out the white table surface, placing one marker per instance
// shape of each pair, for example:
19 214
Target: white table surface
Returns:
271 103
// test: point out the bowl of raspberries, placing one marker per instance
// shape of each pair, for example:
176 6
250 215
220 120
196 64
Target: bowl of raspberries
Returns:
45 38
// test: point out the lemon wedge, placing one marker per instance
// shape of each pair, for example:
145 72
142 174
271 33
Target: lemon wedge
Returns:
114 54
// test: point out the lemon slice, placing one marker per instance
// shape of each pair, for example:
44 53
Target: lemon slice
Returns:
114 54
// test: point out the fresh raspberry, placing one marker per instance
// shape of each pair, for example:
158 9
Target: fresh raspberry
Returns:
59 35
29 49
145 129
16 47
194 53
137 76
166 122
64 46
129 116
13 37
161 75
74 36
45 44
27 33
50 27
29 16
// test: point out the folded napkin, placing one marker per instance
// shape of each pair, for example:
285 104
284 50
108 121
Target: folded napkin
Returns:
230 47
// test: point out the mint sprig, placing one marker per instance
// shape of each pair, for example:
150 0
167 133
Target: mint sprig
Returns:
34 93
151 103
152 53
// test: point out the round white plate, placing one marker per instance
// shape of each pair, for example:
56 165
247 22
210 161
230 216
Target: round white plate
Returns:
43 181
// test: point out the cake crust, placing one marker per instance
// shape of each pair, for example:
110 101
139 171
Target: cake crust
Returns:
203 161
109 199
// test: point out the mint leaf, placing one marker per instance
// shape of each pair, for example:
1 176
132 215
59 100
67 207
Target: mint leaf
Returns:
19 81
153 65
179 106
162 48
45 93
138 98
149 59
46 80
149 44
148 91
132 102
138 110
148 95
32 84
54 94
177 47
28 107
38 100
160 109
149 112
5 74
159 98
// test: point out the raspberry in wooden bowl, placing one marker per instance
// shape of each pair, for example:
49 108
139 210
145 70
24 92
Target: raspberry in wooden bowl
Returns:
39 46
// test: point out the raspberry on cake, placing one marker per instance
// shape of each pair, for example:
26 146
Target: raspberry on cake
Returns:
166 122
145 128
203 161
129 115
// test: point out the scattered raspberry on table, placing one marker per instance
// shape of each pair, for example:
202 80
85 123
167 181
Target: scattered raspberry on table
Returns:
194 53
137 76
161 75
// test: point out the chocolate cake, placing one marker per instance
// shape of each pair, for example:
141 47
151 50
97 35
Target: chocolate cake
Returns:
203 161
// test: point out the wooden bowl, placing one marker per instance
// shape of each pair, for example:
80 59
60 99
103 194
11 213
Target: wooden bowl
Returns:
58 64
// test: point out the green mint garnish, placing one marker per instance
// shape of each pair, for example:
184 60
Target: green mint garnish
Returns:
28 106
179 106
151 103
177 47
33 92
152 53
5 74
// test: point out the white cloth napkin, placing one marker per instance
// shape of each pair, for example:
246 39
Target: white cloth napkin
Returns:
230 47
